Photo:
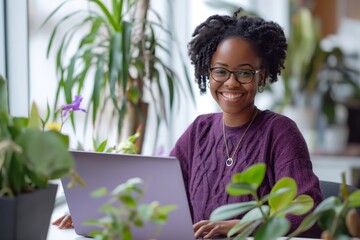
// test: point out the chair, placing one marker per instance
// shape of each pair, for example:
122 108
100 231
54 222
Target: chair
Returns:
329 189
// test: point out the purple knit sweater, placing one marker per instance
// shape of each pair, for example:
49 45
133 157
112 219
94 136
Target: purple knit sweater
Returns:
272 139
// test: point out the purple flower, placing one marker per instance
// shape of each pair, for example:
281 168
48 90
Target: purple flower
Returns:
160 151
74 106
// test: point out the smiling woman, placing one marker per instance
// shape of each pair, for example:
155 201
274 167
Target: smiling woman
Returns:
235 57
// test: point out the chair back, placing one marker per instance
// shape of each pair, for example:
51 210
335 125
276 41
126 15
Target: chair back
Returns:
330 189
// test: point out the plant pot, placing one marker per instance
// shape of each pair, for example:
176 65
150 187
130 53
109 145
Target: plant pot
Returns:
353 123
335 139
27 216
305 119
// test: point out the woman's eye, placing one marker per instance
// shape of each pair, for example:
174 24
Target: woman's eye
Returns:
244 73
220 72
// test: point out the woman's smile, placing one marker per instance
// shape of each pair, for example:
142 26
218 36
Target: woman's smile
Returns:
231 96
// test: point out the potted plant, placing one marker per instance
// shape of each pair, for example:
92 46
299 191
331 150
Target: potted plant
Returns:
336 215
119 47
333 78
266 214
29 158
123 212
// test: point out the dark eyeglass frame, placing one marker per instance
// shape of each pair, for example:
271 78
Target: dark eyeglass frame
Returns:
253 72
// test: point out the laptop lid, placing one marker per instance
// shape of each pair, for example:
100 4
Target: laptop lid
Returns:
162 182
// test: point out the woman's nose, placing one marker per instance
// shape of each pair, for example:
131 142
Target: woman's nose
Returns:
232 81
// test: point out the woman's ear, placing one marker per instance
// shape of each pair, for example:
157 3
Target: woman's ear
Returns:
262 78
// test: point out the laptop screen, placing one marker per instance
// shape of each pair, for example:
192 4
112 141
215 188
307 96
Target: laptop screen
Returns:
162 182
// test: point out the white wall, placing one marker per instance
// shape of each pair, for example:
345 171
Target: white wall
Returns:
17 56
2 40
181 15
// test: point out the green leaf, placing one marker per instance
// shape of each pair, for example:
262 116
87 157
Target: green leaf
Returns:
101 147
92 222
249 229
274 194
299 206
54 163
126 55
327 204
231 210
108 15
238 189
34 120
254 215
253 175
354 199
305 225
166 209
4 108
98 80
281 201
16 169
272 229
305 201
109 209
326 219
99 192
128 201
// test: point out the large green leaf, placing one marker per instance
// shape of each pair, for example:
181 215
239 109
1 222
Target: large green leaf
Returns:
282 201
45 153
272 229
231 210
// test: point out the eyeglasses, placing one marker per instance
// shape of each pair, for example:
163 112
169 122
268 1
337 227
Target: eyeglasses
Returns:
242 76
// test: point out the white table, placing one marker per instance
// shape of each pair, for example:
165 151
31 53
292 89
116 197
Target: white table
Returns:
69 234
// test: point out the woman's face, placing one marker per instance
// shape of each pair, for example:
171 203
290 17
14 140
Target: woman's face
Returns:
233 97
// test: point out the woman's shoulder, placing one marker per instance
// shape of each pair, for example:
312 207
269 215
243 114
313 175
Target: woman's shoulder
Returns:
276 120
268 115
208 118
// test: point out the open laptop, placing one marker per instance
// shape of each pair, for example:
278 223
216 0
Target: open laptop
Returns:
162 182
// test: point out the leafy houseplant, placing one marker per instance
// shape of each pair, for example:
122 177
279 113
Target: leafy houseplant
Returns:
333 214
123 212
304 59
29 158
267 214
119 46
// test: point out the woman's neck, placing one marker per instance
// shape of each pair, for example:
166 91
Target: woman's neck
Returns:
241 118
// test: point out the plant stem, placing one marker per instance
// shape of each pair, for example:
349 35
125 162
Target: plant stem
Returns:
337 217
259 206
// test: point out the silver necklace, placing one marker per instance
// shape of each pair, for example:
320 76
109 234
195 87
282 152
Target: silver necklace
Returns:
229 161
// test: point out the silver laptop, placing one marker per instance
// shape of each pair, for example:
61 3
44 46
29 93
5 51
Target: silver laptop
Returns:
162 182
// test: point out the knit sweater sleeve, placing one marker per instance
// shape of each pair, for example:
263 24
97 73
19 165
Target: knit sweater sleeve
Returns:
183 151
292 159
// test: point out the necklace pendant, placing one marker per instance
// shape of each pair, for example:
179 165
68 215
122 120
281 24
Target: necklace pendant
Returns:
229 162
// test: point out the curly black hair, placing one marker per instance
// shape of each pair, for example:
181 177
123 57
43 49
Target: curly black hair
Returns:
266 37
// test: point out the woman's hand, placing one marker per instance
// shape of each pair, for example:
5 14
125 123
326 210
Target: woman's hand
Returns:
64 222
210 229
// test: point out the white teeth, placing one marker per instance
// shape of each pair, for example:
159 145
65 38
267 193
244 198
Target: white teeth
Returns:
231 96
